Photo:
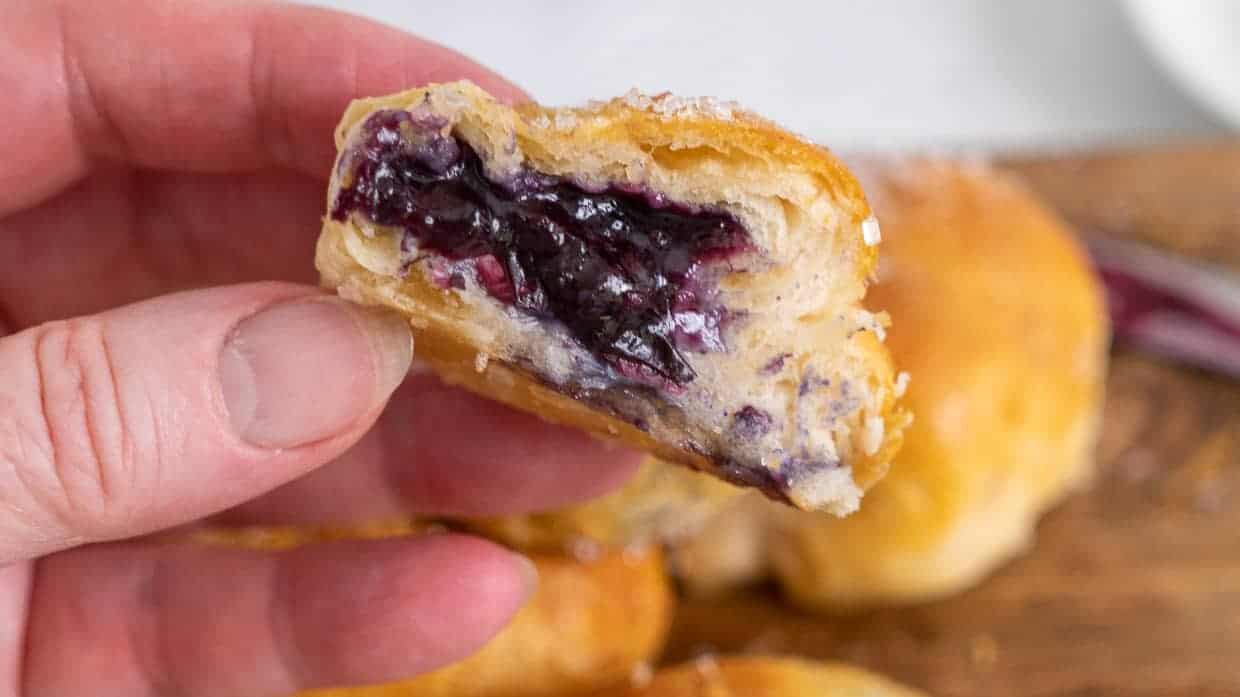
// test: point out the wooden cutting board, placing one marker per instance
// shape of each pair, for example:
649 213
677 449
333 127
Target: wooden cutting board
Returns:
1133 589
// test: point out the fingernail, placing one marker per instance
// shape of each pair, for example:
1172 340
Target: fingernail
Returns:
305 370
529 574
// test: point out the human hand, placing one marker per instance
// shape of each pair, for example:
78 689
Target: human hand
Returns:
160 157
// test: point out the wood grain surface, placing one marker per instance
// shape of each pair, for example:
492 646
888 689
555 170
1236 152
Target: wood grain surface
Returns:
1184 197
1133 589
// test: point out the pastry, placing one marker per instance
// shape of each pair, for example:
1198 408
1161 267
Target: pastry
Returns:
729 550
1005 337
588 624
759 676
673 272
661 503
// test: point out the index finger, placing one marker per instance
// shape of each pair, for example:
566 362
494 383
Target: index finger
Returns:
193 86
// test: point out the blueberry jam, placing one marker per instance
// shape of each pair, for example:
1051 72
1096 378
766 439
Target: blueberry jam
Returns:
751 422
631 277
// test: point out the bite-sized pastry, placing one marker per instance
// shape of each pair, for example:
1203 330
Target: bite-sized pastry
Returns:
661 503
759 676
1001 322
674 272
1005 337
589 623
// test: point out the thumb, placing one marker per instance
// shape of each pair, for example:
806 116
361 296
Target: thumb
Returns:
165 411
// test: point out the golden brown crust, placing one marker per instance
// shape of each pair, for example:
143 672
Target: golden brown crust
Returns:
804 211
588 624
758 676
1000 322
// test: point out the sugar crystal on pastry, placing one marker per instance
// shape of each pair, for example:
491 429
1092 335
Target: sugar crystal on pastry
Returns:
871 232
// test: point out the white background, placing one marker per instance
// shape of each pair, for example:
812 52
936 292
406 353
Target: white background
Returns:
893 73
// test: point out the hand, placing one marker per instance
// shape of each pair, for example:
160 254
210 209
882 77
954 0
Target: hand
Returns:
159 157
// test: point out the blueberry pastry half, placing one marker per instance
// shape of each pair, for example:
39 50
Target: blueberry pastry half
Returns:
674 272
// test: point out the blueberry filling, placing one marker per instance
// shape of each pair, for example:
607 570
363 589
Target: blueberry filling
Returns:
751 422
810 382
775 365
631 277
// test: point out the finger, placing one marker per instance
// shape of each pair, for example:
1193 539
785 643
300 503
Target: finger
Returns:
438 450
14 602
131 621
128 235
165 411
133 80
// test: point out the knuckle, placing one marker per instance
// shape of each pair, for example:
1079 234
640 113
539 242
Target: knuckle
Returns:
78 433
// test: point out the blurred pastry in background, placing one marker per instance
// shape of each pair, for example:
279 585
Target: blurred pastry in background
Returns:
728 551
759 676
1000 322
590 623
